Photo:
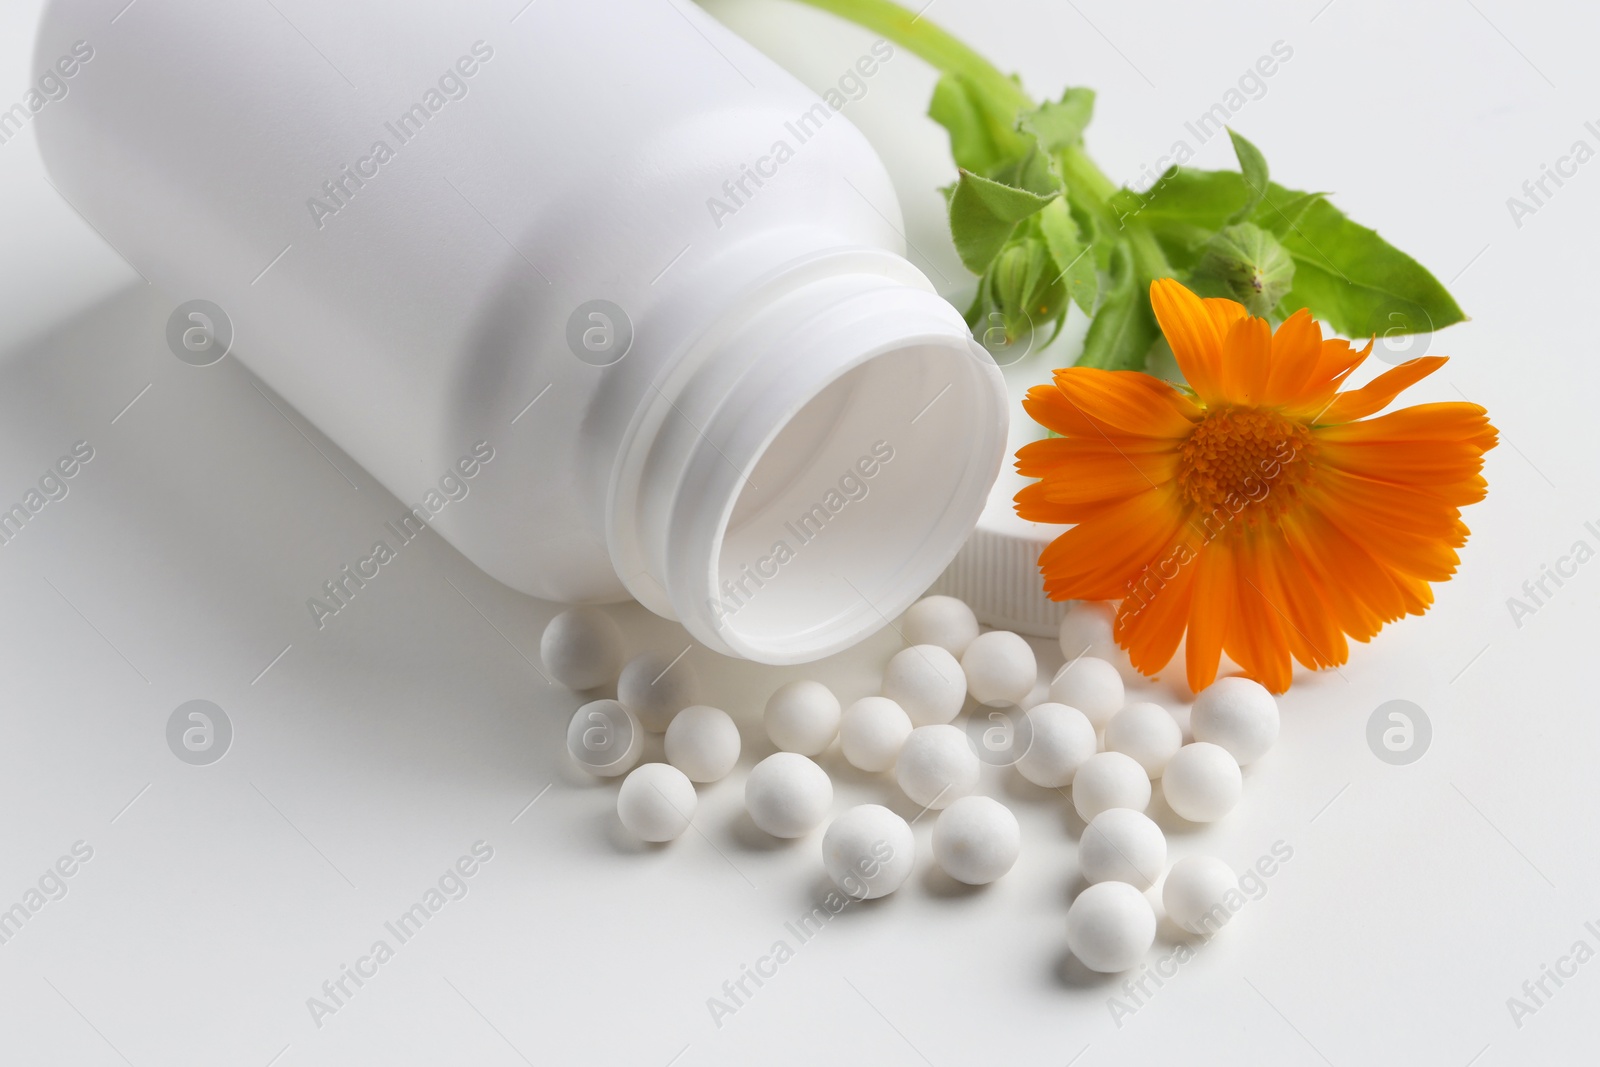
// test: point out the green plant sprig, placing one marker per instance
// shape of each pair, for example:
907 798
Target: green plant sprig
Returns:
1044 228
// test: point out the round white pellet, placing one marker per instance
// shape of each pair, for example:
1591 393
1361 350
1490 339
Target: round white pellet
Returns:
871 732
976 840
1122 845
787 795
1194 891
1000 668
803 717
703 743
604 739
1110 926
582 648
936 766
1109 780
1091 685
655 688
656 802
927 682
1061 738
1148 733
940 620
1238 714
1202 782
1086 631
868 851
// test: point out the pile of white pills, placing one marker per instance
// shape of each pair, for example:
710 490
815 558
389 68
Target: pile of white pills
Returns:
1081 736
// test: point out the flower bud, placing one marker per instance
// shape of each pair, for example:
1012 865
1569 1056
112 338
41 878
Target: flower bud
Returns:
1247 264
1024 287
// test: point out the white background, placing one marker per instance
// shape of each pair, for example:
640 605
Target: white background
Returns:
375 752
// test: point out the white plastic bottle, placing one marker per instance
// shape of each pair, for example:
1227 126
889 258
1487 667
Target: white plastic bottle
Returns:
607 245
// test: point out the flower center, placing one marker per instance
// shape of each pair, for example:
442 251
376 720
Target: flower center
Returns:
1244 467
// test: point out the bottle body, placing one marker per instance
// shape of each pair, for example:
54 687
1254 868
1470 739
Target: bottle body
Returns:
458 240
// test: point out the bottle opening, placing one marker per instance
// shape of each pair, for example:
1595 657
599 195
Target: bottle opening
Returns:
811 465
858 502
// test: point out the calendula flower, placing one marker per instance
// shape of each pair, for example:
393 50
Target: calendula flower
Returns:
1260 511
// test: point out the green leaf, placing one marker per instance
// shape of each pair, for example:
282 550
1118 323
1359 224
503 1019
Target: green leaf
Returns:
1287 216
1124 327
983 214
1347 274
1074 259
1089 228
1060 125
1352 278
1253 168
982 137
1033 172
1183 209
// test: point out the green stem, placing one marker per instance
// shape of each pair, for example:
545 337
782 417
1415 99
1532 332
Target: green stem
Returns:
938 48
1081 172
1089 186
945 53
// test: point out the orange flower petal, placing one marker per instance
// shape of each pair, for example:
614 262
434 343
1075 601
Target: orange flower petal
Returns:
1380 392
1314 637
1296 351
1083 471
1335 363
1247 362
1453 421
1410 532
1154 613
1048 455
1034 504
1096 560
1367 590
1338 359
1257 641
1435 450
1195 329
1128 402
1211 612
1046 405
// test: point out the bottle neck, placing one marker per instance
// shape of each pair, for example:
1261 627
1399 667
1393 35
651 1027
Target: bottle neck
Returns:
811 464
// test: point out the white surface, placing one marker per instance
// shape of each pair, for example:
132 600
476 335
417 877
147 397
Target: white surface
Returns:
373 754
